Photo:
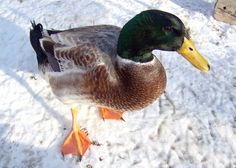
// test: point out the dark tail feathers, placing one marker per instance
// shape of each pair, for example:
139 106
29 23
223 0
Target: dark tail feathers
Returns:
35 35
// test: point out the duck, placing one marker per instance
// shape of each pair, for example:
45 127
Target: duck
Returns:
110 67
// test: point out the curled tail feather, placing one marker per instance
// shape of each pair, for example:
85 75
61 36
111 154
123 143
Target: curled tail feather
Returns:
35 36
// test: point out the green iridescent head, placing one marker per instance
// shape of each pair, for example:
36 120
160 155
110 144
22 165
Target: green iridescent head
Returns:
155 29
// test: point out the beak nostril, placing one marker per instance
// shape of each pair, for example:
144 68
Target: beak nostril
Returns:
190 49
209 67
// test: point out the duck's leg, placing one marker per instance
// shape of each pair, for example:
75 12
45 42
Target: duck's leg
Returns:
110 114
77 142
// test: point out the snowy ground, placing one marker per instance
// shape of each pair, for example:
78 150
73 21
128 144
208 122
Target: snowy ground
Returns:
200 133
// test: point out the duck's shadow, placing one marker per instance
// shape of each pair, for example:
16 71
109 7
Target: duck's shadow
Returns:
19 56
18 61
15 154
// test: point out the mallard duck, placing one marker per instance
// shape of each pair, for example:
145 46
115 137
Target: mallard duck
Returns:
110 67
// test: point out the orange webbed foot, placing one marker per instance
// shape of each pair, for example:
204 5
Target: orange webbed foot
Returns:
77 142
110 114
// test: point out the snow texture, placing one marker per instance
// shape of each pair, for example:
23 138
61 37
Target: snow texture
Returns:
200 132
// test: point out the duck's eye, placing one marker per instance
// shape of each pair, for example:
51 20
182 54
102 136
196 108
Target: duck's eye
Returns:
168 29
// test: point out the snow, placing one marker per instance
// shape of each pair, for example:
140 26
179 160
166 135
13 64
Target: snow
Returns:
201 132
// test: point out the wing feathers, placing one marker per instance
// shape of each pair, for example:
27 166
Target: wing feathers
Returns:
81 48
48 47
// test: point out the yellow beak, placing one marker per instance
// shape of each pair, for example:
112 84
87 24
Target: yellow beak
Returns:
188 51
